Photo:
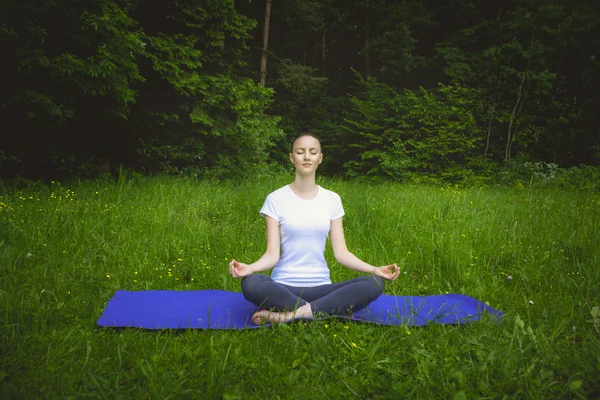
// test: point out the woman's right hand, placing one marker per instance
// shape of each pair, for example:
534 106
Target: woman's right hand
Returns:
239 270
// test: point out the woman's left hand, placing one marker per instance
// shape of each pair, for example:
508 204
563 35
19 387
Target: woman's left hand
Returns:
389 272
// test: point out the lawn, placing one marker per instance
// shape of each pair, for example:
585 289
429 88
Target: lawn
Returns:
65 248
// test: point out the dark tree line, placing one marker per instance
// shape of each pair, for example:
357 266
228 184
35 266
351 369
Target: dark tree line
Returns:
396 89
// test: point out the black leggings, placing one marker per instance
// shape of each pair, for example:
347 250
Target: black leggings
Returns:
340 298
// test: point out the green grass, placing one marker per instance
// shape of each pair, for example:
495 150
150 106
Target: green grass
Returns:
66 249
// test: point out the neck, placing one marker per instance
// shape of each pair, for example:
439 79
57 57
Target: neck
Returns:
304 184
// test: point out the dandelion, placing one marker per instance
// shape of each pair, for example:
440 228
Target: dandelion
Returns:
107 276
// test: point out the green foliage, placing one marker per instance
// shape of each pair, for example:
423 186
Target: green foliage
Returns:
302 100
412 134
166 85
520 173
518 61
113 70
393 42
225 130
164 75
220 121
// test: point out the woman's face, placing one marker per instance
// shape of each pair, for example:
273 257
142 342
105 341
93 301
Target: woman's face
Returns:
306 154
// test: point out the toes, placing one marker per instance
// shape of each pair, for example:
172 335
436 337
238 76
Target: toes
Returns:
257 318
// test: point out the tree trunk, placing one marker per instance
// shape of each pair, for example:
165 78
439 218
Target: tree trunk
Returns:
489 133
512 117
263 58
367 39
324 52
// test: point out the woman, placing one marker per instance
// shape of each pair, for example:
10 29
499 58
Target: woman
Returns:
299 217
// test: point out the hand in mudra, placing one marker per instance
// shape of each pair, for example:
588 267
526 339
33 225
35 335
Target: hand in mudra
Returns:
238 269
389 272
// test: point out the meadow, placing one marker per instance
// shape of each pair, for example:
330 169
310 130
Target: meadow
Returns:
65 248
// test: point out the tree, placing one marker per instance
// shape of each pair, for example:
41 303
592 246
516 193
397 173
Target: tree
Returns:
87 80
530 61
263 58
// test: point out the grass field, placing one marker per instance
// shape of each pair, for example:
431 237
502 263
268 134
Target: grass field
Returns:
66 248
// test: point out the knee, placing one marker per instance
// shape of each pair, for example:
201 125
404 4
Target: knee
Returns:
378 285
250 285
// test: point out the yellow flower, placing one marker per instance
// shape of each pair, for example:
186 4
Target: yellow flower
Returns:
353 344
108 276
326 326
345 326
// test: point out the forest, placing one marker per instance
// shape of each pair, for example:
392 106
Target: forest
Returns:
405 90
140 138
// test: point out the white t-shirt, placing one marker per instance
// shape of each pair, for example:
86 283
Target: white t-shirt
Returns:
304 227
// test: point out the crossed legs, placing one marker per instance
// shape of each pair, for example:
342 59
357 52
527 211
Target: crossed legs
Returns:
283 303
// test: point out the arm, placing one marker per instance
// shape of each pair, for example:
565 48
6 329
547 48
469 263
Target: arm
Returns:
349 260
268 260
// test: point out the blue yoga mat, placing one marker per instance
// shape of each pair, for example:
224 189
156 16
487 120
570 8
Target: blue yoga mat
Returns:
218 309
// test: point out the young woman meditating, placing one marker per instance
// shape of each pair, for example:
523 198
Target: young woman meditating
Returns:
299 216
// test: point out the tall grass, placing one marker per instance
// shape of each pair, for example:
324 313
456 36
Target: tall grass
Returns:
66 248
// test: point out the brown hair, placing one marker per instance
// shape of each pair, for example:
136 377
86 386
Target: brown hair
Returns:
301 135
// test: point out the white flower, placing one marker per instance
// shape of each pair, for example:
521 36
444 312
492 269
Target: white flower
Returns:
530 302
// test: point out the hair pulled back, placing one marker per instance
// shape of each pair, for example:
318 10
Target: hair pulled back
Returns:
303 134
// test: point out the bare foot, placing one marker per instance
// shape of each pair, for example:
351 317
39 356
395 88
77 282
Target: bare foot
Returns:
270 317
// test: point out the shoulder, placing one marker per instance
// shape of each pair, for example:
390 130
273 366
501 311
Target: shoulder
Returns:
279 193
331 195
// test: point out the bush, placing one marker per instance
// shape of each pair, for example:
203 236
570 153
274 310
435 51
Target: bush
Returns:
412 135
549 175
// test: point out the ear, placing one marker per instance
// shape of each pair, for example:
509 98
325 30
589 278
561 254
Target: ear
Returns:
321 158
291 158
